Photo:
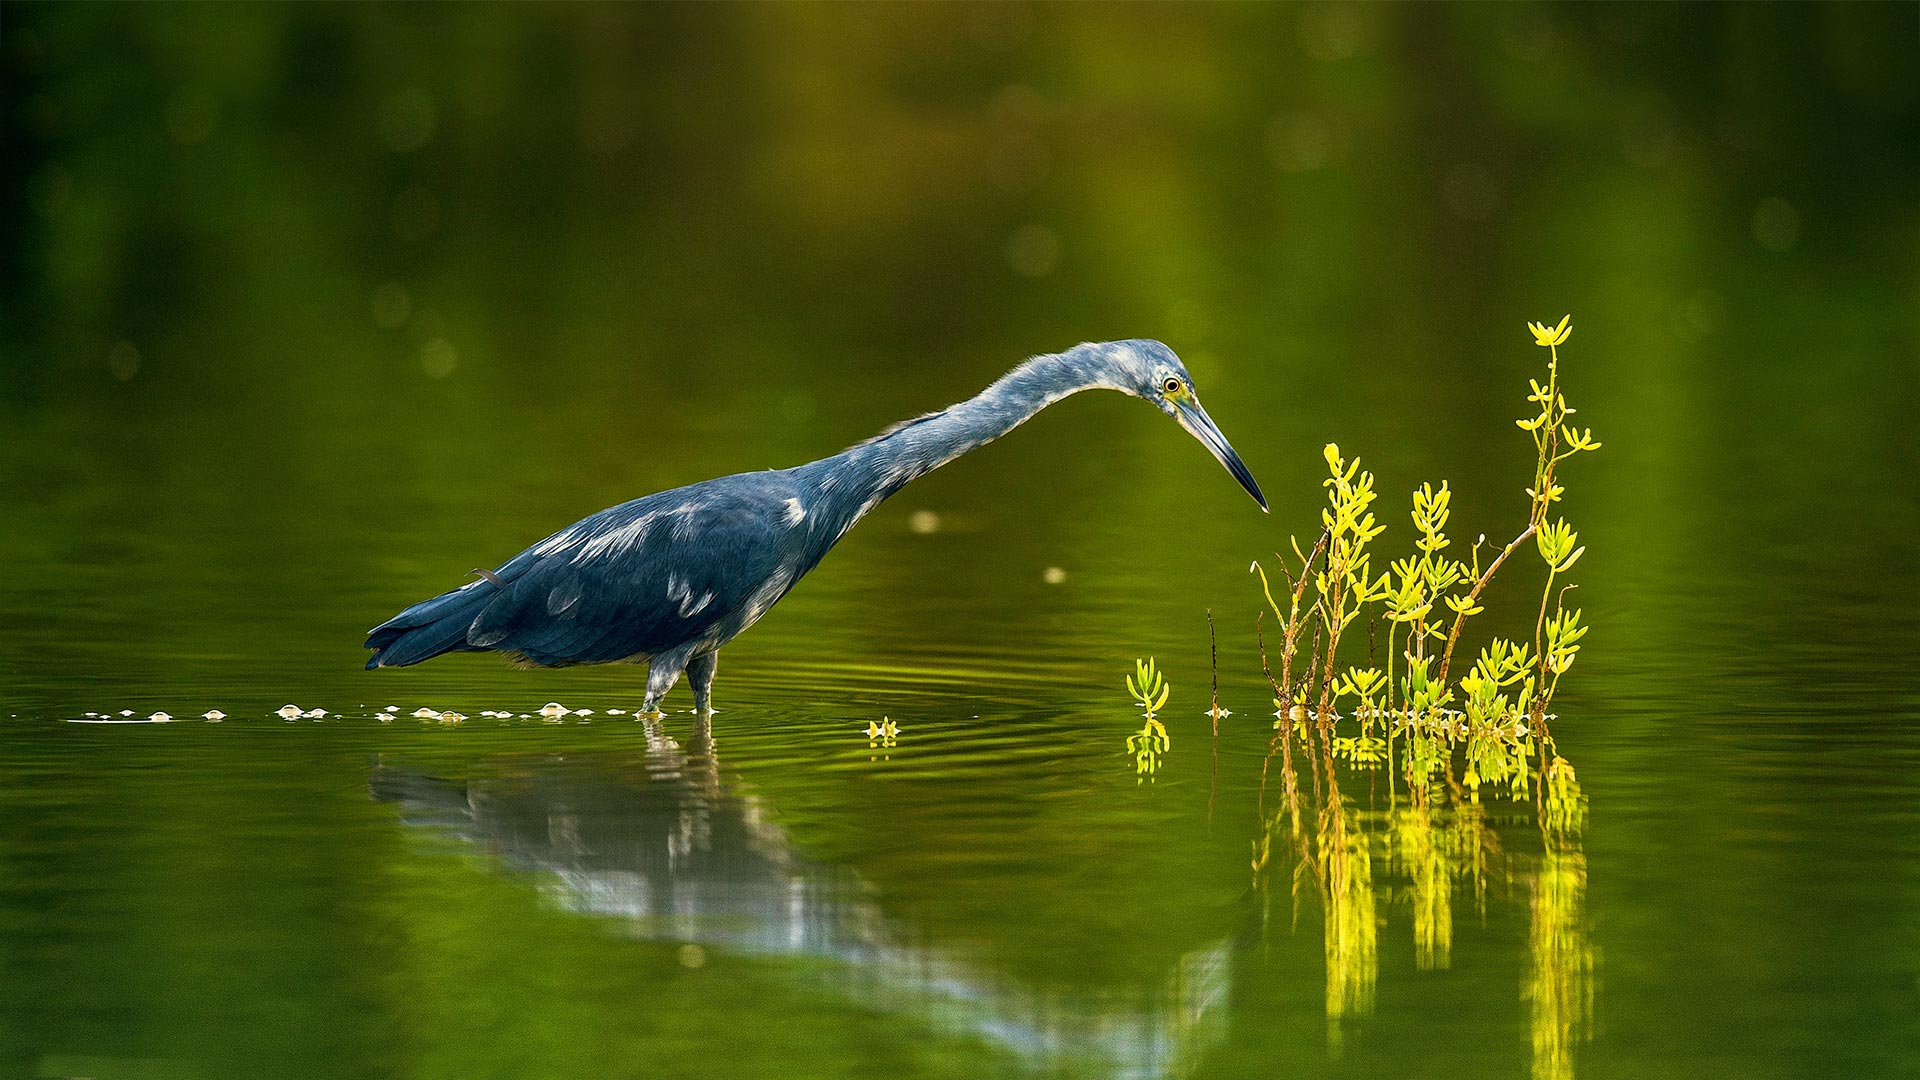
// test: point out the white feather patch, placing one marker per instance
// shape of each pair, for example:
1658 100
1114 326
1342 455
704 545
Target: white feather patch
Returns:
623 538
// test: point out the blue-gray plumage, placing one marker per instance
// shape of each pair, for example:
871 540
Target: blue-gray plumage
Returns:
670 578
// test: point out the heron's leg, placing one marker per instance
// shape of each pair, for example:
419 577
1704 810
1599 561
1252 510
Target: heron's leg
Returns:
662 672
700 671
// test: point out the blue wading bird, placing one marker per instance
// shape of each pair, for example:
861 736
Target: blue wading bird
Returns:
670 578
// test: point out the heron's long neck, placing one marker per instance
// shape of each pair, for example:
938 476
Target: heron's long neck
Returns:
857 480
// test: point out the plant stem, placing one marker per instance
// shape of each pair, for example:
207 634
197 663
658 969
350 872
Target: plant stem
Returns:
1213 666
1459 620
1260 638
1292 642
1539 628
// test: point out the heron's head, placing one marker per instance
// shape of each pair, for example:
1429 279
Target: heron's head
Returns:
1150 371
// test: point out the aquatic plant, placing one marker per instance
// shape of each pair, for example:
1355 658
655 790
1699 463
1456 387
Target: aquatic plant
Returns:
883 732
1371 857
1148 687
1497 712
1150 690
1147 745
1214 711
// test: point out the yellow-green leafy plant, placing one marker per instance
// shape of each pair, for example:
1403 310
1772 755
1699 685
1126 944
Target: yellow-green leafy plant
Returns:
1150 691
1148 687
1367 688
1343 582
1498 710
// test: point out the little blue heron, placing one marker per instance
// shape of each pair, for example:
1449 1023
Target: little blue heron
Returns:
670 578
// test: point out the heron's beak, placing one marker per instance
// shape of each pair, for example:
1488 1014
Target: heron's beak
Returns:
1201 426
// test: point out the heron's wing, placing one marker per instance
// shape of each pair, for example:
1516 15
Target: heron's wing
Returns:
638 579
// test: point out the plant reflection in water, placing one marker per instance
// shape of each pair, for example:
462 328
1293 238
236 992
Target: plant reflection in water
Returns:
1441 850
658 837
662 840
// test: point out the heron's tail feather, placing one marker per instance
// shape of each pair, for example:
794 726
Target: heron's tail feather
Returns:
429 628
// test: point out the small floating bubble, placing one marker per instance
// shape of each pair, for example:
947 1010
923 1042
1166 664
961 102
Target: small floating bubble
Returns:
213 714
451 717
425 713
553 710
126 712
159 718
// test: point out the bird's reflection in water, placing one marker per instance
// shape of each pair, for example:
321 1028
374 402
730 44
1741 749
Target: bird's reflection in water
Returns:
659 839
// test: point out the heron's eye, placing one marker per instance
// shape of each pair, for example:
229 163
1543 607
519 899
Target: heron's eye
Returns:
1171 386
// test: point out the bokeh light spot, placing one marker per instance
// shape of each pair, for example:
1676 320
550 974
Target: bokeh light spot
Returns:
1033 250
392 306
438 358
407 120
123 361
1332 31
1307 140
1776 224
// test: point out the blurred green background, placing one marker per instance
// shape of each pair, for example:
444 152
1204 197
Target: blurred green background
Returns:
310 308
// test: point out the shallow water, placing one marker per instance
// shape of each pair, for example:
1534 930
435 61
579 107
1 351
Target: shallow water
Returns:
997 892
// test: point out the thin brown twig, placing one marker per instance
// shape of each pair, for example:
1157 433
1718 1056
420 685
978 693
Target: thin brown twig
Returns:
1460 618
1292 643
1213 664
1260 638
